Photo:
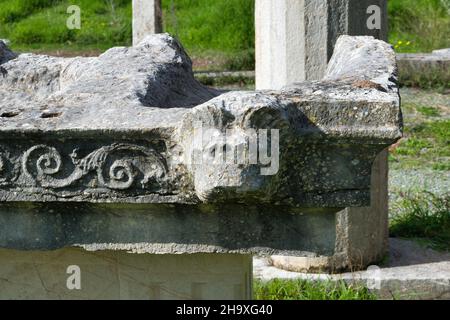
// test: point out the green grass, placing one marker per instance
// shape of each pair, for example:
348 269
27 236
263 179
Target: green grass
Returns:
419 25
43 24
15 10
310 290
221 31
224 81
428 111
424 217
211 25
426 143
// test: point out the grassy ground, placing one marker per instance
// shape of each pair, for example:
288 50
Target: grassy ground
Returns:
231 82
426 142
424 217
309 290
219 34
420 170
419 25
40 25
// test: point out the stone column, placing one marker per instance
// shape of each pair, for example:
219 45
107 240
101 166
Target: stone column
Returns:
147 18
294 42
295 38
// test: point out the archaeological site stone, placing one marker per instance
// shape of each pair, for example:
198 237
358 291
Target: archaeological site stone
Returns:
425 67
295 40
127 151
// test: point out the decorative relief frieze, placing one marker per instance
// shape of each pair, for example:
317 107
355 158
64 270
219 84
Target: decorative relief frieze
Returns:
118 166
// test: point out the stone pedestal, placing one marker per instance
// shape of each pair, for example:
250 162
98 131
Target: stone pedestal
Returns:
294 42
121 275
361 233
149 177
147 19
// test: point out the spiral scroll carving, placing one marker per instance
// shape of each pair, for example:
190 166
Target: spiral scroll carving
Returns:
116 166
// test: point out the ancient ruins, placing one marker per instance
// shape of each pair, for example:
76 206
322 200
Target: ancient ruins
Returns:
127 153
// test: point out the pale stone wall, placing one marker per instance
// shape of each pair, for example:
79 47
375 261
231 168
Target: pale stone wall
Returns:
120 275
280 55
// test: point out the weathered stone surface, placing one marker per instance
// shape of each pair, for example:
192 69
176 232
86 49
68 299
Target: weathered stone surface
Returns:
119 275
157 73
121 128
295 40
167 229
442 52
350 62
361 235
425 67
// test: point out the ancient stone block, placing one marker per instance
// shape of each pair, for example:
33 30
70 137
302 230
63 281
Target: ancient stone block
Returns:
133 127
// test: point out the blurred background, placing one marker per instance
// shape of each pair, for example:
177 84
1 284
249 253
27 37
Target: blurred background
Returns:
218 34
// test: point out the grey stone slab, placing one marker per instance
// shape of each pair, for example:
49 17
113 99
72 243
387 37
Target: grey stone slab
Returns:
121 128
442 52
425 67
167 229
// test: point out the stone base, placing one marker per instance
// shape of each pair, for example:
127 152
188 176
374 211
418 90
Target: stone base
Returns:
121 275
361 233
411 272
